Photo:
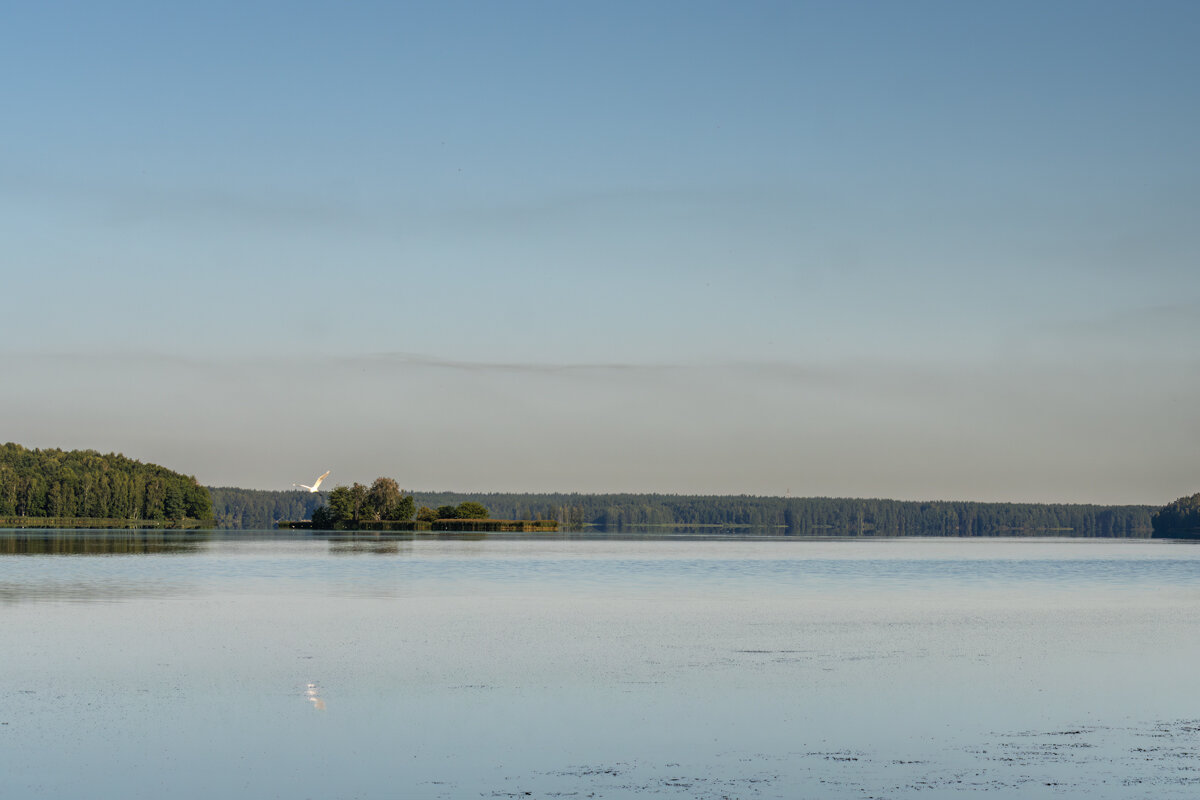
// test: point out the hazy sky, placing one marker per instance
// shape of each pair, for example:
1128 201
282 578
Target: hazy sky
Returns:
904 249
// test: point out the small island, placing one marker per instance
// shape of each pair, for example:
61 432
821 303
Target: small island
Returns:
383 506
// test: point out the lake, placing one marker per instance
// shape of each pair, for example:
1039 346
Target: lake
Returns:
253 665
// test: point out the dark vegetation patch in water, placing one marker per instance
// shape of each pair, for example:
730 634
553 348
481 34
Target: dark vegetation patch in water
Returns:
1157 760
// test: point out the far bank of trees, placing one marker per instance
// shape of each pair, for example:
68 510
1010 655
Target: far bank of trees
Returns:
84 484
1180 519
816 516
260 509
465 510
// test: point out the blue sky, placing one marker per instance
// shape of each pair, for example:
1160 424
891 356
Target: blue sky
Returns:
918 250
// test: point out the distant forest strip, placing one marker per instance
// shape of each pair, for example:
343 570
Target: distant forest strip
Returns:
59 485
247 508
55 487
258 509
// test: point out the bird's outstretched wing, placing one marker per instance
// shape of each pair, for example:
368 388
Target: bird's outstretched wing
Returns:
317 482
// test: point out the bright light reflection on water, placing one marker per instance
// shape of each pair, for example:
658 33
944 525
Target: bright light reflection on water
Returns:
142 664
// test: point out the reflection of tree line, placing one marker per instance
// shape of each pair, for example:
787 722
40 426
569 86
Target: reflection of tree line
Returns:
86 591
387 542
21 543
376 545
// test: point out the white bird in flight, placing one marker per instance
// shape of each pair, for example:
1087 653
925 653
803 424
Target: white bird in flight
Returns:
316 484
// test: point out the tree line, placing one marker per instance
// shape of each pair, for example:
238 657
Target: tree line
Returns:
831 516
52 483
260 509
800 515
1178 519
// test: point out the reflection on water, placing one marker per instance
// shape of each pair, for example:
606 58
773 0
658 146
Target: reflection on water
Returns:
46 541
313 693
81 591
379 547
508 666
1142 760
81 565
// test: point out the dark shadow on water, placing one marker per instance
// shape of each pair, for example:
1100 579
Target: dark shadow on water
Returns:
96 542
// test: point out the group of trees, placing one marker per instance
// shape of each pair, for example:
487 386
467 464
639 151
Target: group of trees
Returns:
467 509
77 484
254 509
800 515
383 501
350 505
1180 519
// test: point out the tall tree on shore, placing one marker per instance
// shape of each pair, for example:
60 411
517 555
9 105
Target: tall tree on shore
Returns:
386 501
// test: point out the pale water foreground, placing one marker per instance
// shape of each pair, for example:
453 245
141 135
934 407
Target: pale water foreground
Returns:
250 666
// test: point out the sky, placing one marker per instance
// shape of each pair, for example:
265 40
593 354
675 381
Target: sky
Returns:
916 250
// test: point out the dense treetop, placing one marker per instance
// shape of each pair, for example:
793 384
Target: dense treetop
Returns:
468 509
1179 519
350 505
86 484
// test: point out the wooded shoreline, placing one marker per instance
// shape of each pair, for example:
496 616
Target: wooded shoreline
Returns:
436 526
817 516
86 489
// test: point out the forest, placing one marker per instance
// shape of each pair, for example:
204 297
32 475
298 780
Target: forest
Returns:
258 509
819 516
1179 519
60 484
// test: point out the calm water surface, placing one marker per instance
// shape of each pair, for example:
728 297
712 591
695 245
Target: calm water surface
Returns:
143 664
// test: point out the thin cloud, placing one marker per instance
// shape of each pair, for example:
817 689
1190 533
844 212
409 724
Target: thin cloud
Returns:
844 372
420 360
1156 317
135 203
